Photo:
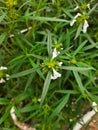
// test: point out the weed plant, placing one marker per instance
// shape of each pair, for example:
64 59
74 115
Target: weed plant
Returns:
50 49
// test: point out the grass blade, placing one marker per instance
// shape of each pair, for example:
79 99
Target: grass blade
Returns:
23 73
46 86
60 106
2 37
76 68
49 44
5 115
44 19
79 82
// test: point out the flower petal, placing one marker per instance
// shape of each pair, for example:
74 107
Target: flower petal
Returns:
74 19
60 63
72 22
2 80
88 6
85 26
55 75
3 68
77 7
55 53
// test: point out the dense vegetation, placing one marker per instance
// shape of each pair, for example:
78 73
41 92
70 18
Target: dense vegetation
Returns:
48 61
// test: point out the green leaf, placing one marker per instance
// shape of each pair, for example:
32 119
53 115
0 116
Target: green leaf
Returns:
23 73
38 70
2 37
79 30
94 8
22 96
79 47
38 18
28 108
74 92
67 13
95 44
46 86
76 68
79 82
22 37
58 109
4 101
37 56
16 59
29 80
2 16
49 44
5 114
67 36
20 44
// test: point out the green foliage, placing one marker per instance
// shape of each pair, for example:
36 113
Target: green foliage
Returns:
30 32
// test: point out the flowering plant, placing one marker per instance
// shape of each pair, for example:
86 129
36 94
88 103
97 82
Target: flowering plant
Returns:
50 48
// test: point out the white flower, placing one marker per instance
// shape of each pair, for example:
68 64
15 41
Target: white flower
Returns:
39 99
95 106
77 7
55 53
85 26
2 80
3 68
60 63
22 31
88 6
70 120
74 19
7 76
55 75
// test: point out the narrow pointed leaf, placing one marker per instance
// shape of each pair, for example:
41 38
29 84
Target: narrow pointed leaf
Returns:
49 44
23 73
58 109
46 87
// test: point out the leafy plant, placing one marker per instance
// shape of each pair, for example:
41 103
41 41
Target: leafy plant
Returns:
50 49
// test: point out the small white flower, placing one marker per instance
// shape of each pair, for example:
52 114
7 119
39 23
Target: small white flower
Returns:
77 7
88 6
95 106
60 63
70 120
55 75
85 26
55 53
7 76
39 99
2 80
25 30
74 19
3 68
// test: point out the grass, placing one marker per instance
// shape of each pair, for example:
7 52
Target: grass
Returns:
30 31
